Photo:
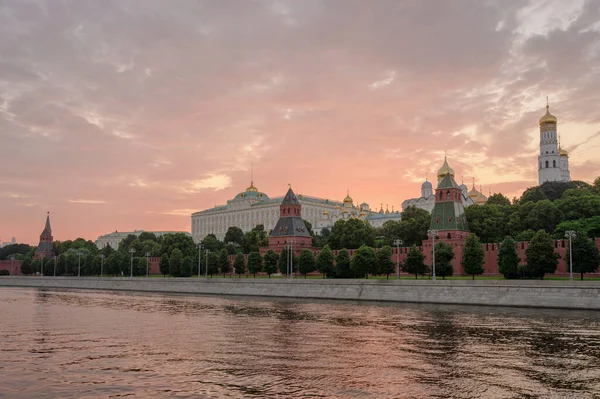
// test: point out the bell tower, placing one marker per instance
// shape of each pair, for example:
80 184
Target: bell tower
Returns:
45 248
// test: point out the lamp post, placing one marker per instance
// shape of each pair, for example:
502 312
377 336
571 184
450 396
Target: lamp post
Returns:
147 258
101 264
12 265
206 271
79 253
570 234
397 243
432 234
131 251
200 246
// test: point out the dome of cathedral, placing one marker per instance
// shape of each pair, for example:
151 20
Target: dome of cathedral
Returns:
426 185
445 170
338 207
348 199
481 199
473 193
463 187
325 213
562 153
362 213
548 117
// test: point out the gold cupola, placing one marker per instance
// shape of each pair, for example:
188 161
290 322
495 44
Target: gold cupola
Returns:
251 188
473 193
548 117
445 170
348 199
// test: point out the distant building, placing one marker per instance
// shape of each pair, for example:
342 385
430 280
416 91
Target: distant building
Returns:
553 161
45 248
113 239
6 243
290 228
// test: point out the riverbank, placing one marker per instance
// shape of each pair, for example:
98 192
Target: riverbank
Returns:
515 293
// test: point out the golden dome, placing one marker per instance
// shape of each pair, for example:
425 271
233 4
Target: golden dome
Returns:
348 199
325 213
362 213
252 188
562 153
481 199
473 193
445 170
338 207
548 117
345 211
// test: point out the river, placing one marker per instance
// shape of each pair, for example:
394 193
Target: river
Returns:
95 344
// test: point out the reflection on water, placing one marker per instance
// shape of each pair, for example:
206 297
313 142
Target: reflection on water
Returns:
62 344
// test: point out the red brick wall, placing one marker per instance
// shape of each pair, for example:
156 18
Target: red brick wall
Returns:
14 268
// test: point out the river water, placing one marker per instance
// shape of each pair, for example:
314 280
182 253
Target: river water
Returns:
80 344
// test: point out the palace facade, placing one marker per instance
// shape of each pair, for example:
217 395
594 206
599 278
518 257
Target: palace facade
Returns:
253 207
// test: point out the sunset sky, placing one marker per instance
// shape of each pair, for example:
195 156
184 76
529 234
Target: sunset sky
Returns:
132 114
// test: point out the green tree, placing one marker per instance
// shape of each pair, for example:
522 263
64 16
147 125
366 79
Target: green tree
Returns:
525 235
351 234
555 189
489 222
541 258
234 234
187 266
392 230
415 262
577 204
211 243
532 194
123 244
325 261
255 262
181 241
385 265
364 261
270 261
148 235
498 199
585 255
508 258
306 262
16 249
175 262
26 267
443 259
472 260
255 239
342 264
414 225
213 263
224 265
164 264
239 264
308 227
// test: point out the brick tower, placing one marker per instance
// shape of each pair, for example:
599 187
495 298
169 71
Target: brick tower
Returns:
448 215
290 228
45 247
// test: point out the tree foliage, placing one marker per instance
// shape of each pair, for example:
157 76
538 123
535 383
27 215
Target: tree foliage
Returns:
385 264
443 259
342 264
234 234
306 262
508 258
270 262
325 261
255 263
415 262
585 255
224 265
351 234
472 260
364 262
239 264
175 262
164 264
541 258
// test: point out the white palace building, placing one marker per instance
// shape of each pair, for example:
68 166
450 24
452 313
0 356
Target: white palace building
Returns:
252 207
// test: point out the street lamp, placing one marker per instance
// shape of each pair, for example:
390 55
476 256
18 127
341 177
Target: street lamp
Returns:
397 243
147 257
79 253
570 234
131 251
200 246
432 234
206 270
101 264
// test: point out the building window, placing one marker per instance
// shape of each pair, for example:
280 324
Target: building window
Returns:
554 164
547 164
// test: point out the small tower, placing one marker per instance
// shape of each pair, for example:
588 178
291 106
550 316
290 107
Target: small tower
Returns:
45 247
290 228
448 215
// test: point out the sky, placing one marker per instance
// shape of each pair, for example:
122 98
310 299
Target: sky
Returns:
132 114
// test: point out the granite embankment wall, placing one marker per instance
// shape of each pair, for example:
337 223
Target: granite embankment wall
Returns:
533 293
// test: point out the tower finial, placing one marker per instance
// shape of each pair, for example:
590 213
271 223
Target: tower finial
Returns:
547 103
473 181
251 173
425 176
289 185
444 155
